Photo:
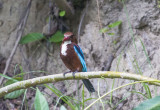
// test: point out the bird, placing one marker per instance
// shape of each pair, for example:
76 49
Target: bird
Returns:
73 58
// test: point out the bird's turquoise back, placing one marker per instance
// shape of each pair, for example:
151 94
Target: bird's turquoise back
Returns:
79 52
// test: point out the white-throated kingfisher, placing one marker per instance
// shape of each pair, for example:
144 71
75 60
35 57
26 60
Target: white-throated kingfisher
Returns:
72 56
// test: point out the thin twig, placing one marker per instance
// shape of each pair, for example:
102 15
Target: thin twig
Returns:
49 30
78 36
99 19
19 31
111 91
109 62
81 20
81 75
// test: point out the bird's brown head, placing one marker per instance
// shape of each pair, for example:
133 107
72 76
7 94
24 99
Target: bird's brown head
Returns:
69 36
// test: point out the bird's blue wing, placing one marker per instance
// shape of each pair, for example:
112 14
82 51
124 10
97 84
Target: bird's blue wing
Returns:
79 52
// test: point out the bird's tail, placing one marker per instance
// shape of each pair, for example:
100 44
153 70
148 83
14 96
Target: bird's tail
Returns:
88 85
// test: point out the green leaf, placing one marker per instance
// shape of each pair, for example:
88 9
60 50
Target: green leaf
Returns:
9 82
66 99
62 13
117 23
7 77
57 37
63 107
13 80
14 94
151 104
22 72
40 102
111 34
89 99
104 30
31 37
83 93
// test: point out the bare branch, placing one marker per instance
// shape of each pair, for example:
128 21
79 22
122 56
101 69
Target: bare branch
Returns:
81 20
81 75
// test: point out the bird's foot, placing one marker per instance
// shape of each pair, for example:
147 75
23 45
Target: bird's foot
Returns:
66 73
73 73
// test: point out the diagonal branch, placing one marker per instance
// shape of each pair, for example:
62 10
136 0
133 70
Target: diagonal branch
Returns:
81 75
19 32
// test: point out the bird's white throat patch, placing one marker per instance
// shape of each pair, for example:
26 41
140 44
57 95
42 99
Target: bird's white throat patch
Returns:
64 47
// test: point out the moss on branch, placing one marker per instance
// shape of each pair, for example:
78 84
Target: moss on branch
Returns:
81 75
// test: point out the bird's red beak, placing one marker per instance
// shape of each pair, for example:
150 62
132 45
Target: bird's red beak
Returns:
65 38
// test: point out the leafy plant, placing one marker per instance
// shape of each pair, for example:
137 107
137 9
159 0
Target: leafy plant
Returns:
17 93
57 37
40 102
115 24
151 104
14 94
110 26
58 93
104 30
31 37
16 78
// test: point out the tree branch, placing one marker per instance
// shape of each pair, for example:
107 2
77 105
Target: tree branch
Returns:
81 75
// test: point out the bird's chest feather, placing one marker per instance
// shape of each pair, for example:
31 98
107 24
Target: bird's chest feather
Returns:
64 48
70 57
67 51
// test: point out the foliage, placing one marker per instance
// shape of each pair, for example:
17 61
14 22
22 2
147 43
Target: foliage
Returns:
16 93
62 13
31 37
40 102
151 104
58 93
57 37
115 24
110 26
71 101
